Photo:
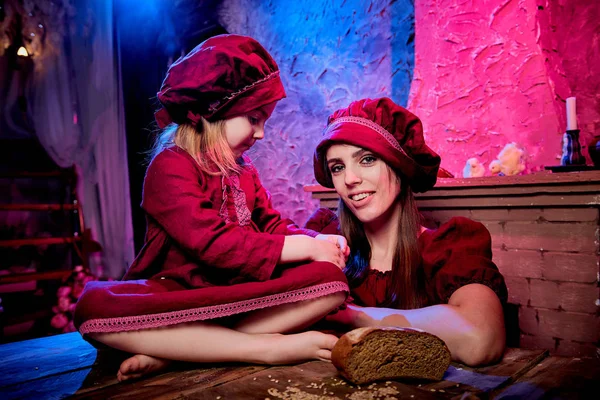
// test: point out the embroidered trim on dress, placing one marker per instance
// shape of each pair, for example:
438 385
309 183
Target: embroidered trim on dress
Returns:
223 211
137 322
369 124
239 201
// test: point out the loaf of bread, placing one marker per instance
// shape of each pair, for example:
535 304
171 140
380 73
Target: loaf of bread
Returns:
373 353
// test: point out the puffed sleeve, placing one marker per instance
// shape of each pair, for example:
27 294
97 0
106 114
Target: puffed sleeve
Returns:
269 219
175 195
456 254
325 221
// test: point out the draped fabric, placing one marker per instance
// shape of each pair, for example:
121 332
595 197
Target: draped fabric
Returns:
78 117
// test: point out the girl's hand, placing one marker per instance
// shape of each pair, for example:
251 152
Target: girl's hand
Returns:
327 250
339 241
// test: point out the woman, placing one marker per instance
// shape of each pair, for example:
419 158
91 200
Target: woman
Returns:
442 281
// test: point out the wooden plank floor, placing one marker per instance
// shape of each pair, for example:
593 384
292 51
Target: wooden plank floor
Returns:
66 366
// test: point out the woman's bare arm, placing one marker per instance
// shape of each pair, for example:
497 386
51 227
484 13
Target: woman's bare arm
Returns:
471 324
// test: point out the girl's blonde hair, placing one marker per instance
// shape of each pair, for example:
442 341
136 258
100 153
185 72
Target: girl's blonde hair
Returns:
208 146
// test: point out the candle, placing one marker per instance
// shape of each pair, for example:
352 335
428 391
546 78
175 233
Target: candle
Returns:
571 114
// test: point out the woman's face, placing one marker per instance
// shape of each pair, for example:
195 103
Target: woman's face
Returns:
243 131
364 182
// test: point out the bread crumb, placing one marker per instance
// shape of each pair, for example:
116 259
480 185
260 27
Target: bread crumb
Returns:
292 393
218 397
385 392
442 390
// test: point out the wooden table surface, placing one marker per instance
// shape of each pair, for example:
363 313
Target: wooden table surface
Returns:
66 366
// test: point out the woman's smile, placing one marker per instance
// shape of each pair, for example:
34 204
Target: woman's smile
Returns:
361 199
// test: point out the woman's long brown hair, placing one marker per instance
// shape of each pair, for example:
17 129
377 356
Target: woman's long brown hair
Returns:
407 285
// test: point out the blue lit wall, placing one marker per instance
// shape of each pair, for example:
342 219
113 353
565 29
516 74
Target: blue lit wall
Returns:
330 53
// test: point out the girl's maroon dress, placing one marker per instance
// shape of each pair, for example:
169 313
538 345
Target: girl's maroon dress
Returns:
211 251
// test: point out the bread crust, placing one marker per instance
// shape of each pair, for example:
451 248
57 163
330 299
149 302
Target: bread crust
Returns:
341 352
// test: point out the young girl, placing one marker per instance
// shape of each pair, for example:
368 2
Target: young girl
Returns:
221 274
442 281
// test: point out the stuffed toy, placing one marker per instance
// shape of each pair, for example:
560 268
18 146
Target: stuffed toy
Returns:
473 168
510 161
496 168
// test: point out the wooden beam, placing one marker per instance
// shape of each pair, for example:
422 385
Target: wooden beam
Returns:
40 241
35 276
38 207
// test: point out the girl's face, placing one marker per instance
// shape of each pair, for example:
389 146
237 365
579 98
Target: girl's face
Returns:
243 131
364 182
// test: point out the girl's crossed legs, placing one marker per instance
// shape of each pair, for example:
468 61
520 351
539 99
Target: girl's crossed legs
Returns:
259 338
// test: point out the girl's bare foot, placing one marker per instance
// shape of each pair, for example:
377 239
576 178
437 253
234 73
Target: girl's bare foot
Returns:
299 347
140 365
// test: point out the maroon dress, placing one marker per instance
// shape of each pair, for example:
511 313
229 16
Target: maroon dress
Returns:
456 254
211 251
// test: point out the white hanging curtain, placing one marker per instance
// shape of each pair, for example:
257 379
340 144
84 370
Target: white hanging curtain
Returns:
78 117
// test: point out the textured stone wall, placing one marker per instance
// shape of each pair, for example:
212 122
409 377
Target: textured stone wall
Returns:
492 72
480 81
481 74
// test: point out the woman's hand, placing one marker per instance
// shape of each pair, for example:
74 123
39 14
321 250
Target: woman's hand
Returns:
339 241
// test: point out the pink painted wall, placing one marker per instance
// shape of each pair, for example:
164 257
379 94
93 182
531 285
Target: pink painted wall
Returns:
480 81
570 41
491 72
